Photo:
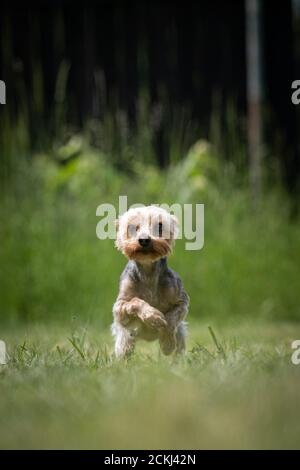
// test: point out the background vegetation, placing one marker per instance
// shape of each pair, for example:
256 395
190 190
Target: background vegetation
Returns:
55 268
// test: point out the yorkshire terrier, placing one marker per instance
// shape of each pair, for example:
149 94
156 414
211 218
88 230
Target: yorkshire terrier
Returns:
152 303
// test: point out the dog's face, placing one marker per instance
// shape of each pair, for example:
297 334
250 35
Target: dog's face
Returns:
146 234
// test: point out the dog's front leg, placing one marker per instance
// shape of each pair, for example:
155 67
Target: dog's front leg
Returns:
176 315
173 337
124 311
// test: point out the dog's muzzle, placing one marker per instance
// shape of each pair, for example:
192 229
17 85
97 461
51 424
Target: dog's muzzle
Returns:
144 242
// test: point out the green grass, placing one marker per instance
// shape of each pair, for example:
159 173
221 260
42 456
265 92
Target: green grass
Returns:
235 388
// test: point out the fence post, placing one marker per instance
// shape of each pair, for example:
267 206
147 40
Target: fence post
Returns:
254 96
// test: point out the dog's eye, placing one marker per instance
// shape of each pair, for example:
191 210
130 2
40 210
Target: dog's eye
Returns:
132 230
158 230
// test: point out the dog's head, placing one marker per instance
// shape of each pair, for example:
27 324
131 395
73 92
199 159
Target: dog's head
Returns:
146 234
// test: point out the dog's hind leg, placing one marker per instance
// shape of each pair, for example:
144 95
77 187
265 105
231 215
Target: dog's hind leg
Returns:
124 341
180 338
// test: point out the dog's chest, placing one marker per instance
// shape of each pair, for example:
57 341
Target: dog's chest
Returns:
158 295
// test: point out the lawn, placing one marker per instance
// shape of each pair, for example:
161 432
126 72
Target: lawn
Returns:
62 388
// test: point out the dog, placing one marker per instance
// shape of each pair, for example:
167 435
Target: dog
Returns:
152 303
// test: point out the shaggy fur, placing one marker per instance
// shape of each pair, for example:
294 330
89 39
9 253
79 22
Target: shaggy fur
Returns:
152 303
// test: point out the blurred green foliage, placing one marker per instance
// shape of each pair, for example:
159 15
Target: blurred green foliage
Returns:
54 267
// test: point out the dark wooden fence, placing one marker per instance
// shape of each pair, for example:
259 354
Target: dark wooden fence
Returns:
184 55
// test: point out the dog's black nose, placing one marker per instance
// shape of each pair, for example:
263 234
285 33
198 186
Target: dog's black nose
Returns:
144 242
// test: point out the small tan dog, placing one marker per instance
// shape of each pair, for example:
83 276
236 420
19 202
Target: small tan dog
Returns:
152 303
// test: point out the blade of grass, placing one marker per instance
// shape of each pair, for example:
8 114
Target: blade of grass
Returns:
73 342
219 347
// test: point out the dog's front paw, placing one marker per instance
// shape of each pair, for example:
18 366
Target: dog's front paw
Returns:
153 318
134 307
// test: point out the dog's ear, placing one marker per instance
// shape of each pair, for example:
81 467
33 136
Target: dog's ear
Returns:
117 239
174 219
174 225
